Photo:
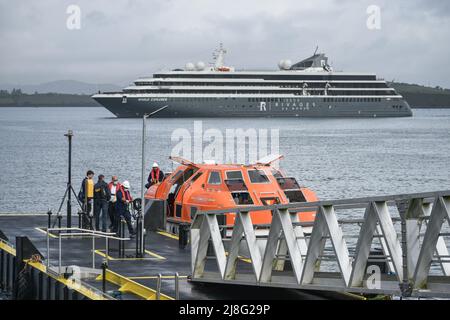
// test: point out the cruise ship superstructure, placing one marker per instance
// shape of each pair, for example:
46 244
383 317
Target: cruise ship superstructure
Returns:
309 88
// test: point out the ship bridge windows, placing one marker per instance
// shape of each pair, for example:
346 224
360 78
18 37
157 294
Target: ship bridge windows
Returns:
257 176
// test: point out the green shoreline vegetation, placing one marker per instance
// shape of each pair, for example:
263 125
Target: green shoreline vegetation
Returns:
418 96
16 98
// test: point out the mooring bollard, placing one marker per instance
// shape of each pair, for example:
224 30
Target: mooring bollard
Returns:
49 213
183 233
143 242
104 267
59 221
177 286
158 287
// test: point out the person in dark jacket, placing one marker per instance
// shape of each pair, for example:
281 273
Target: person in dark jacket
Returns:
124 200
102 196
155 176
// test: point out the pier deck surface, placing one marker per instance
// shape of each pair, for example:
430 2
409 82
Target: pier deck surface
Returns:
163 256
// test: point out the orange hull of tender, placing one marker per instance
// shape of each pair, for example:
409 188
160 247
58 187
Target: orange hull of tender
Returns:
200 187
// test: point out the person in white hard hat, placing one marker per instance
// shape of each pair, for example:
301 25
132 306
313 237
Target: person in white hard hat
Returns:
156 176
122 205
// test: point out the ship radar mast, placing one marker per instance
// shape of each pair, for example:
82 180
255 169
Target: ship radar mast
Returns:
219 56
219 59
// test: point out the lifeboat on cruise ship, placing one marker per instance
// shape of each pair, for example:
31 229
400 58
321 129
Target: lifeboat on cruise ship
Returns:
194 187
224 69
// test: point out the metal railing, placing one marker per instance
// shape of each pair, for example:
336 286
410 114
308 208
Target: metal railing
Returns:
79 232
406 227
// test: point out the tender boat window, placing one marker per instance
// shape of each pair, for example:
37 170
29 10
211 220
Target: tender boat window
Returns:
257 176
177 175
197 175
234 175
214 178
276 173
288 183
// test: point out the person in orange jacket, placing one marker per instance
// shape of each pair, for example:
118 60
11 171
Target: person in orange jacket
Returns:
124 200
156 176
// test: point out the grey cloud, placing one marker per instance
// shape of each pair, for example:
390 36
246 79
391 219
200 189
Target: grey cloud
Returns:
125 39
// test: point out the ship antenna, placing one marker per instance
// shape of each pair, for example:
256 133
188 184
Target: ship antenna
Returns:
315 51
218 56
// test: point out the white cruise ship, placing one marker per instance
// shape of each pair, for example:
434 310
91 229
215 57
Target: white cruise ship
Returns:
309 88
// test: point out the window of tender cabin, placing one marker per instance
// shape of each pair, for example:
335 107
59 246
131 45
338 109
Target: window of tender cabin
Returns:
257 176
214 178
196 176
276 173
291 189
231 175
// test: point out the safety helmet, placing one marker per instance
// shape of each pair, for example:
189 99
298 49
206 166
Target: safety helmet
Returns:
155 165
126 184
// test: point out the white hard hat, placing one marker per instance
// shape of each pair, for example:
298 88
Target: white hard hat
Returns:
155 165
126 184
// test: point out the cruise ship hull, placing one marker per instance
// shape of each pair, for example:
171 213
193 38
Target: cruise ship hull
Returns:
135 107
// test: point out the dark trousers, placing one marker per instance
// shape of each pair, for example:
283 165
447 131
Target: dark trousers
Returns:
125 214
87 207
112 212
88 213
100 212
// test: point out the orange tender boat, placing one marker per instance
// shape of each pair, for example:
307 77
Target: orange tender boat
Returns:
196 187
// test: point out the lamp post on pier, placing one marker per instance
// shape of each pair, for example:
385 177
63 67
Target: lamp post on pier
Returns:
144 129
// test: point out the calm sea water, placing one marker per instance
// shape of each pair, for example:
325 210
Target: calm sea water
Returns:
335 157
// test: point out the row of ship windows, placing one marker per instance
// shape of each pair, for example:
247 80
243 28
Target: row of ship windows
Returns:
283 100
294 92
352 100
274 77
310 85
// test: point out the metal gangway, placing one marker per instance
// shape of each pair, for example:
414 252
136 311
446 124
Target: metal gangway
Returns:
411 230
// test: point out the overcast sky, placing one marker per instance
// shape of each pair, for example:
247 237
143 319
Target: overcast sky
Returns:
124 39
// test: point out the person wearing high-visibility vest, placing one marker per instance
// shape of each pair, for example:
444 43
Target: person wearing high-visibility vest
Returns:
124 200
86 194
156 176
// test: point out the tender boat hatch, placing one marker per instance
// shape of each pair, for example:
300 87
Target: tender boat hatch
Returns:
269 201
291 189
177 182
268 160
239 191
183 161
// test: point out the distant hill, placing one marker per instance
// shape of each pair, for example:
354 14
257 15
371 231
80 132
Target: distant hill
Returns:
422 96
16 98
62 86
76 93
